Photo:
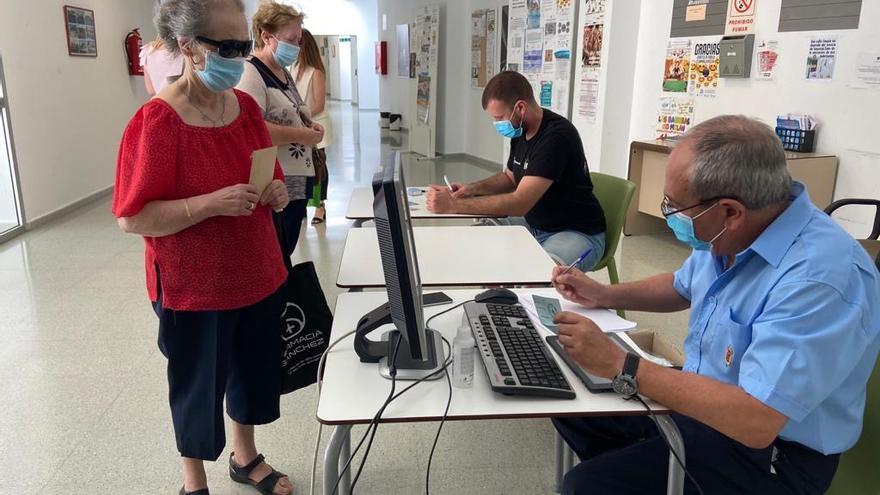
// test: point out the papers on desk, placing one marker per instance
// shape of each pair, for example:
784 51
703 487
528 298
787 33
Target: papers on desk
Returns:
606 319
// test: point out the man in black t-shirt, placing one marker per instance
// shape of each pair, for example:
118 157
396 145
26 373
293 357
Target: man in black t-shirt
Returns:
546 181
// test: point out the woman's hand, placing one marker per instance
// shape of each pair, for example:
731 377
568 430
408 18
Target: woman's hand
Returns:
233 201
308 135
275 195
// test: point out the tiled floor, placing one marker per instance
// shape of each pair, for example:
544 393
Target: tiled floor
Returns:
84 396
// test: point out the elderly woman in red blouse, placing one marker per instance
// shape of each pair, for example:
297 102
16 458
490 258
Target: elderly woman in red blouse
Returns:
213 262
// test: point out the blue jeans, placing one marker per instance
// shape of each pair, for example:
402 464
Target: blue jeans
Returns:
566 246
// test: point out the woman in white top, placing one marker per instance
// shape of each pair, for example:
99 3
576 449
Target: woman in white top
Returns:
311 82
277 30
160 66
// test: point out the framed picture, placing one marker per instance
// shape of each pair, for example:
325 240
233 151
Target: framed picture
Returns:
80 25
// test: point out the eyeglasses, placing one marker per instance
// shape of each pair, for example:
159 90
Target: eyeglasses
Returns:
229 48
667 210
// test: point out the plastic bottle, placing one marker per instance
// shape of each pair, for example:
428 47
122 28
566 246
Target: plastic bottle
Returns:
463 354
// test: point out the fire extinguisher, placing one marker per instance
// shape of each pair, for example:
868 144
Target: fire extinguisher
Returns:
132 47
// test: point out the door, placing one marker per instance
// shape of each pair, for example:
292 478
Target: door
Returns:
354 70
345 75
11 218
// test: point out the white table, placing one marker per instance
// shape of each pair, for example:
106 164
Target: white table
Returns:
352 392
360 207
452 256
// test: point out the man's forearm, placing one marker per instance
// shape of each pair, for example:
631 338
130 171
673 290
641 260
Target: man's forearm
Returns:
726 408
497 184
655 294
497 205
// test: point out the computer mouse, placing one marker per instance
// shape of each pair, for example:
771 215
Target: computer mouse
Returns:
497 296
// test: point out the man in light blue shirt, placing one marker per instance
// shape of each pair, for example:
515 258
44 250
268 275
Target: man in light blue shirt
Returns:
783 334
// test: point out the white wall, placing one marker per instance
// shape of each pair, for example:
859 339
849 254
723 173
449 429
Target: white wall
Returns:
68 113
849 117
347 17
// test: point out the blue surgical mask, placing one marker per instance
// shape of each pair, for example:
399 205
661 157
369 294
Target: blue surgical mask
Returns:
220 73
506 128
683 227
285 53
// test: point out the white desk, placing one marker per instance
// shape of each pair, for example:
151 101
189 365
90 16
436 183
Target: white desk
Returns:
360 208
352 391
452 256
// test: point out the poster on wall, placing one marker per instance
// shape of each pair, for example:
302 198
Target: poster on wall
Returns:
533 16
677 66
423 99
740 17
703 75
540 42
821 58
478 48
533 53
675 116
767 54
867 71
591 59
403 50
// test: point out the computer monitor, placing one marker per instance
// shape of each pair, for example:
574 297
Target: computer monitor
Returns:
421 350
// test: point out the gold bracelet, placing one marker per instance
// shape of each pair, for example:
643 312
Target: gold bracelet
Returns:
186 205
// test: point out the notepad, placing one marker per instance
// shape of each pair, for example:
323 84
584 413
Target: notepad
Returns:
263 168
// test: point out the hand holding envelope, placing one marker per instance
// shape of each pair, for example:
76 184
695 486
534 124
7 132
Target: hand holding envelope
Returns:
263 175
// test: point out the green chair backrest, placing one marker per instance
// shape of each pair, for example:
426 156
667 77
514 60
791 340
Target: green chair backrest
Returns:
859 469
614 194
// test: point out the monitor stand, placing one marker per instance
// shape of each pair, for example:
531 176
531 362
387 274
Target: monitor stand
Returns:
371 351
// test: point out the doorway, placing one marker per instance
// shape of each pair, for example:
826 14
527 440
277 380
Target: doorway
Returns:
11 218
342 66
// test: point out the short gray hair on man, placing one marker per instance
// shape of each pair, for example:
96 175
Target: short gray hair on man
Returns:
184 19
738 157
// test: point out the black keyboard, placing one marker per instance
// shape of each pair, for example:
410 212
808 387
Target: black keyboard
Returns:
515 357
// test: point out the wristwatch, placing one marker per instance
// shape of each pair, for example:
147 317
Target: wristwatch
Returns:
625 382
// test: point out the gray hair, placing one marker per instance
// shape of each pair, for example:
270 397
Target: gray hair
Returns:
738 157
184 19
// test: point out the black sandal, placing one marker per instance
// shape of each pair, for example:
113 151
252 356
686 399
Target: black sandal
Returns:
266 486
203 491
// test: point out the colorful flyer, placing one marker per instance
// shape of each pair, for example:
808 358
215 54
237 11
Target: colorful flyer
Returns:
677 66
704 70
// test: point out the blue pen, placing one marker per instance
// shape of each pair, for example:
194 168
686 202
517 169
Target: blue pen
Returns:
575 262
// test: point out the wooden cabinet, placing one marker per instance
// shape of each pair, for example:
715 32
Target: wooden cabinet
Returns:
647 168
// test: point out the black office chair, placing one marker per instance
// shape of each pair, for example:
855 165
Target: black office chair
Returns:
871 243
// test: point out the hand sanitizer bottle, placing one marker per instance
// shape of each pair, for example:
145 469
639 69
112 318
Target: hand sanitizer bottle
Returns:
463 354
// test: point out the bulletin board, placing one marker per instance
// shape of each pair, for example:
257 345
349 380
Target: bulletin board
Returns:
484 33
425 39
540 42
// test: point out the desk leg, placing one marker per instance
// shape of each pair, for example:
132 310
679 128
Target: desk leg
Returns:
675 478
333 460
560 462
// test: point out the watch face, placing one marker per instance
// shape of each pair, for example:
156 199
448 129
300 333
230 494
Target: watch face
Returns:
624 385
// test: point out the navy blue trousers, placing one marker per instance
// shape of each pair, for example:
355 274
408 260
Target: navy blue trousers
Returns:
212 354
626 455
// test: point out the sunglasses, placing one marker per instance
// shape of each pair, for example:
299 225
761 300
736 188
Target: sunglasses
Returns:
229 48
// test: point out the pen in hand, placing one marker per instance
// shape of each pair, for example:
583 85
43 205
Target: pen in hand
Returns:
448 185
575 262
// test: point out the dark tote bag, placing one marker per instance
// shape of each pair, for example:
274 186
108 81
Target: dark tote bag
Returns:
305 324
